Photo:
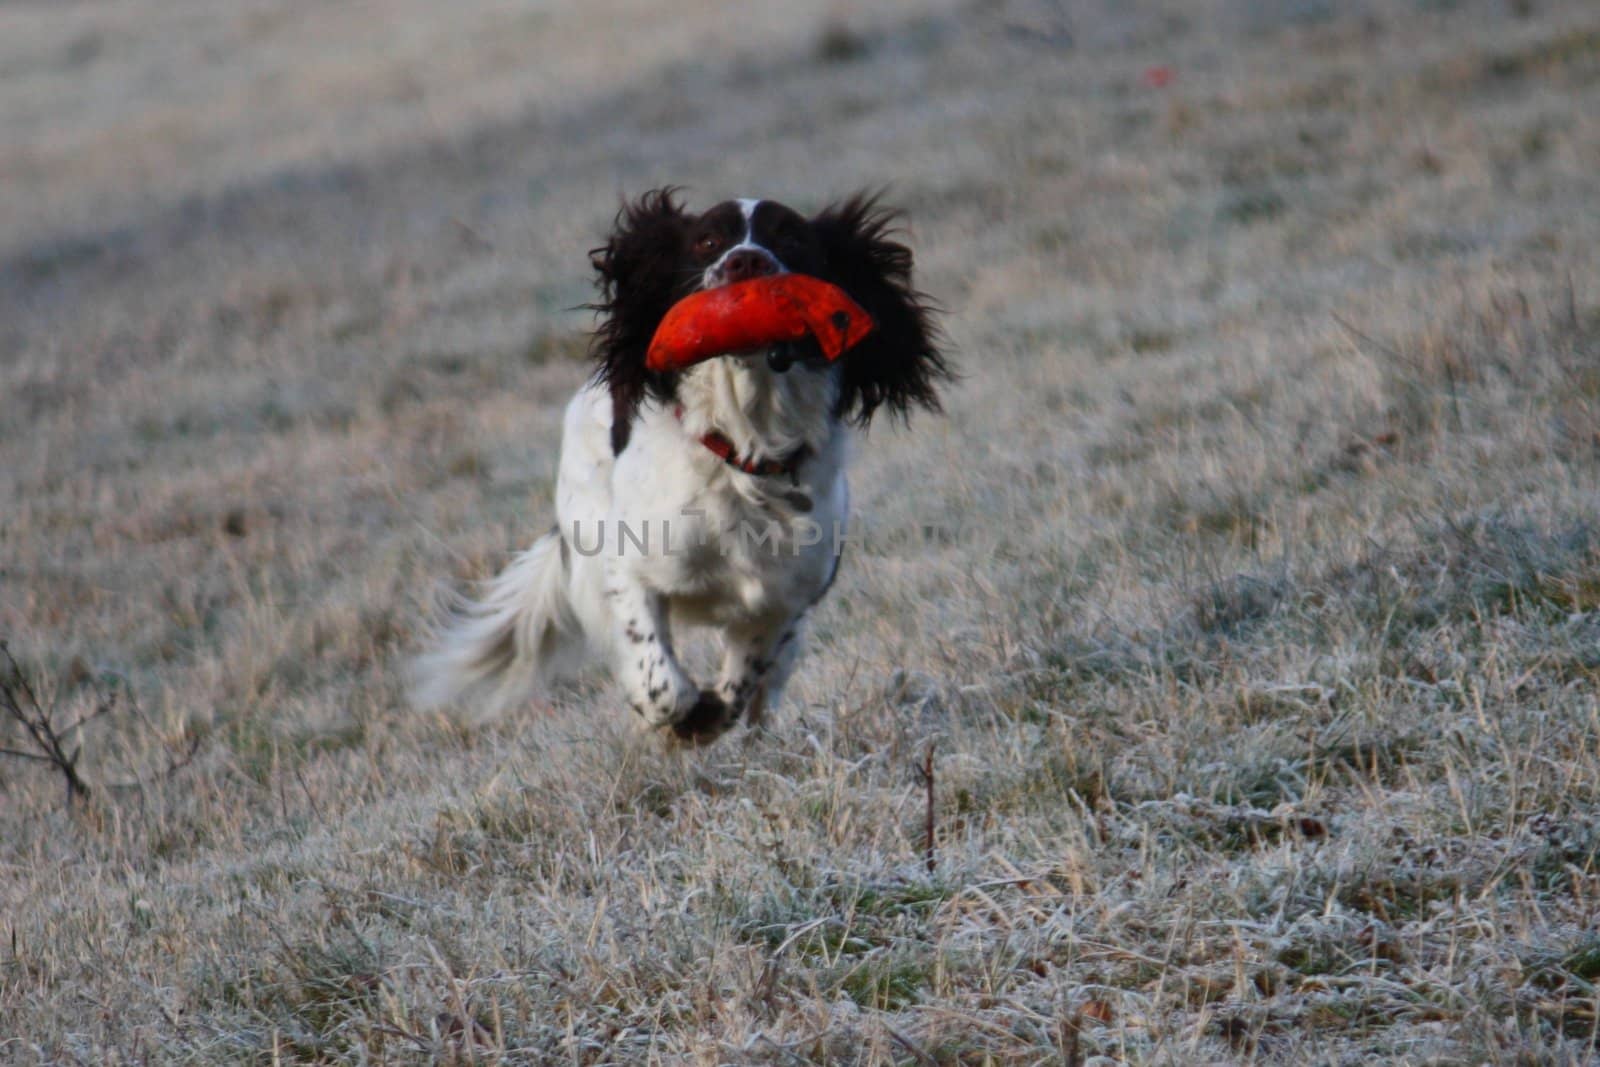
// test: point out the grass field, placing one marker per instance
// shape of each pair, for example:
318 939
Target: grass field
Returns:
1252 717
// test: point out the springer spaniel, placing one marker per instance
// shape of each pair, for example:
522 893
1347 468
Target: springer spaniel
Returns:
711 496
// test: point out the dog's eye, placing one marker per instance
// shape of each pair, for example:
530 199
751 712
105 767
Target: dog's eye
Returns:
708 244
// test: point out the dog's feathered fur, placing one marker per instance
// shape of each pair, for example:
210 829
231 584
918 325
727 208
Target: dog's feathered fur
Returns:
634 459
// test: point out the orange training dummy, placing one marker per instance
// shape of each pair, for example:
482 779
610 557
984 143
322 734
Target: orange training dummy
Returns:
749 315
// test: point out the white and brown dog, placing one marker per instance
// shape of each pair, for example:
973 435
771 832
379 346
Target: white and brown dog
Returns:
710 496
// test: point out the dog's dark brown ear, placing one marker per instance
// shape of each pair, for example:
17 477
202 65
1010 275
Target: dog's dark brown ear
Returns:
898 365
637 274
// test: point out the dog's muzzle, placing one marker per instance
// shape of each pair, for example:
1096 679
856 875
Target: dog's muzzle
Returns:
782 356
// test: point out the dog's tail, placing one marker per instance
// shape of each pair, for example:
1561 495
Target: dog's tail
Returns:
489 655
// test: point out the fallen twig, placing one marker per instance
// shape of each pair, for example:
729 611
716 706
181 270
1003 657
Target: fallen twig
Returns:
21 704
51 741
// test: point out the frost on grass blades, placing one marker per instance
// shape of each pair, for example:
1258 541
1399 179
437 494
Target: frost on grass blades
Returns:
1264 704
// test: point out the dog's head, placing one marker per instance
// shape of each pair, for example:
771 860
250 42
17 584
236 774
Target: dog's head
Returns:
659 253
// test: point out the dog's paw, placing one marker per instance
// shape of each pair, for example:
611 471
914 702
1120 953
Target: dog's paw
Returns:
660 693
709 719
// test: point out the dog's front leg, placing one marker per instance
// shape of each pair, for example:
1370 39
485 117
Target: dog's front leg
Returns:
756 662
656 686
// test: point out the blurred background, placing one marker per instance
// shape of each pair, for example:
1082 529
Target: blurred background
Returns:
1279 431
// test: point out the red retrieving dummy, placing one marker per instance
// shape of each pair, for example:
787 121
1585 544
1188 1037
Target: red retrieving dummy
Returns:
750 315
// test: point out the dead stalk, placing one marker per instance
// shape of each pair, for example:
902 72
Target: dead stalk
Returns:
925 775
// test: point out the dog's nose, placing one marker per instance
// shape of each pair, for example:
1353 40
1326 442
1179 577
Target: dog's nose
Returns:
746 264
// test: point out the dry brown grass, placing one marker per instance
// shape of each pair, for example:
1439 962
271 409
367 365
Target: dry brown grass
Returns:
1260 688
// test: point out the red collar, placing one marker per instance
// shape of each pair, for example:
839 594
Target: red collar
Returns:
729 454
